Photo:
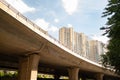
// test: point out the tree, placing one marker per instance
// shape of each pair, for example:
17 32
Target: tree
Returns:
112 30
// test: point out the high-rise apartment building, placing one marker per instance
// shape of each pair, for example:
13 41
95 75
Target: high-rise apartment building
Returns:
96 49
77 42
74 40
81 44
84 44
91 49
100 50
66 36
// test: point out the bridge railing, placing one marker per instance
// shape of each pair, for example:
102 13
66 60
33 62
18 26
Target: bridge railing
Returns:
36 26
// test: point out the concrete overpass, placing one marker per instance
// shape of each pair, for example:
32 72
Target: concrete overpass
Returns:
29 49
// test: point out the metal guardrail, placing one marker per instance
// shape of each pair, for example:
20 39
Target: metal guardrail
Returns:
36 26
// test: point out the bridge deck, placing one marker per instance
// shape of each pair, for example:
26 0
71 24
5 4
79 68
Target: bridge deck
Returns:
20 37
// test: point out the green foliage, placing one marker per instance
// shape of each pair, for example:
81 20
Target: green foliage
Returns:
8 74
112 29
105 60
45 76
1 73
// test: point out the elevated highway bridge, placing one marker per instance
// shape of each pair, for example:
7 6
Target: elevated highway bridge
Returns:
27 48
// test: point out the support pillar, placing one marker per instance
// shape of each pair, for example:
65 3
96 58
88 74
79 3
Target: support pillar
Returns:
28 67
99 76
73 73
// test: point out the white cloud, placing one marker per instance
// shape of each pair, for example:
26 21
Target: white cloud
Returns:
70 6
46 25
69 25
53 28
42 23
56 20
21 6
103 39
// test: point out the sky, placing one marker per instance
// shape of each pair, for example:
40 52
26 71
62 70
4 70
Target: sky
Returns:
83 15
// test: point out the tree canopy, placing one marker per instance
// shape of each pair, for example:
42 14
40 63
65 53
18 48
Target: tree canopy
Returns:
112 30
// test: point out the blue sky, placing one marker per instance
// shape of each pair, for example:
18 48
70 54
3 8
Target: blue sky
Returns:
83 15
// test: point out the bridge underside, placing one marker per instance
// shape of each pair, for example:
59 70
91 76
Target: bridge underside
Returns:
8 62
19 43
17 40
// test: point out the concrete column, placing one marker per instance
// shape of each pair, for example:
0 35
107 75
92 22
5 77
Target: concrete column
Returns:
99 76
73 73
28 67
